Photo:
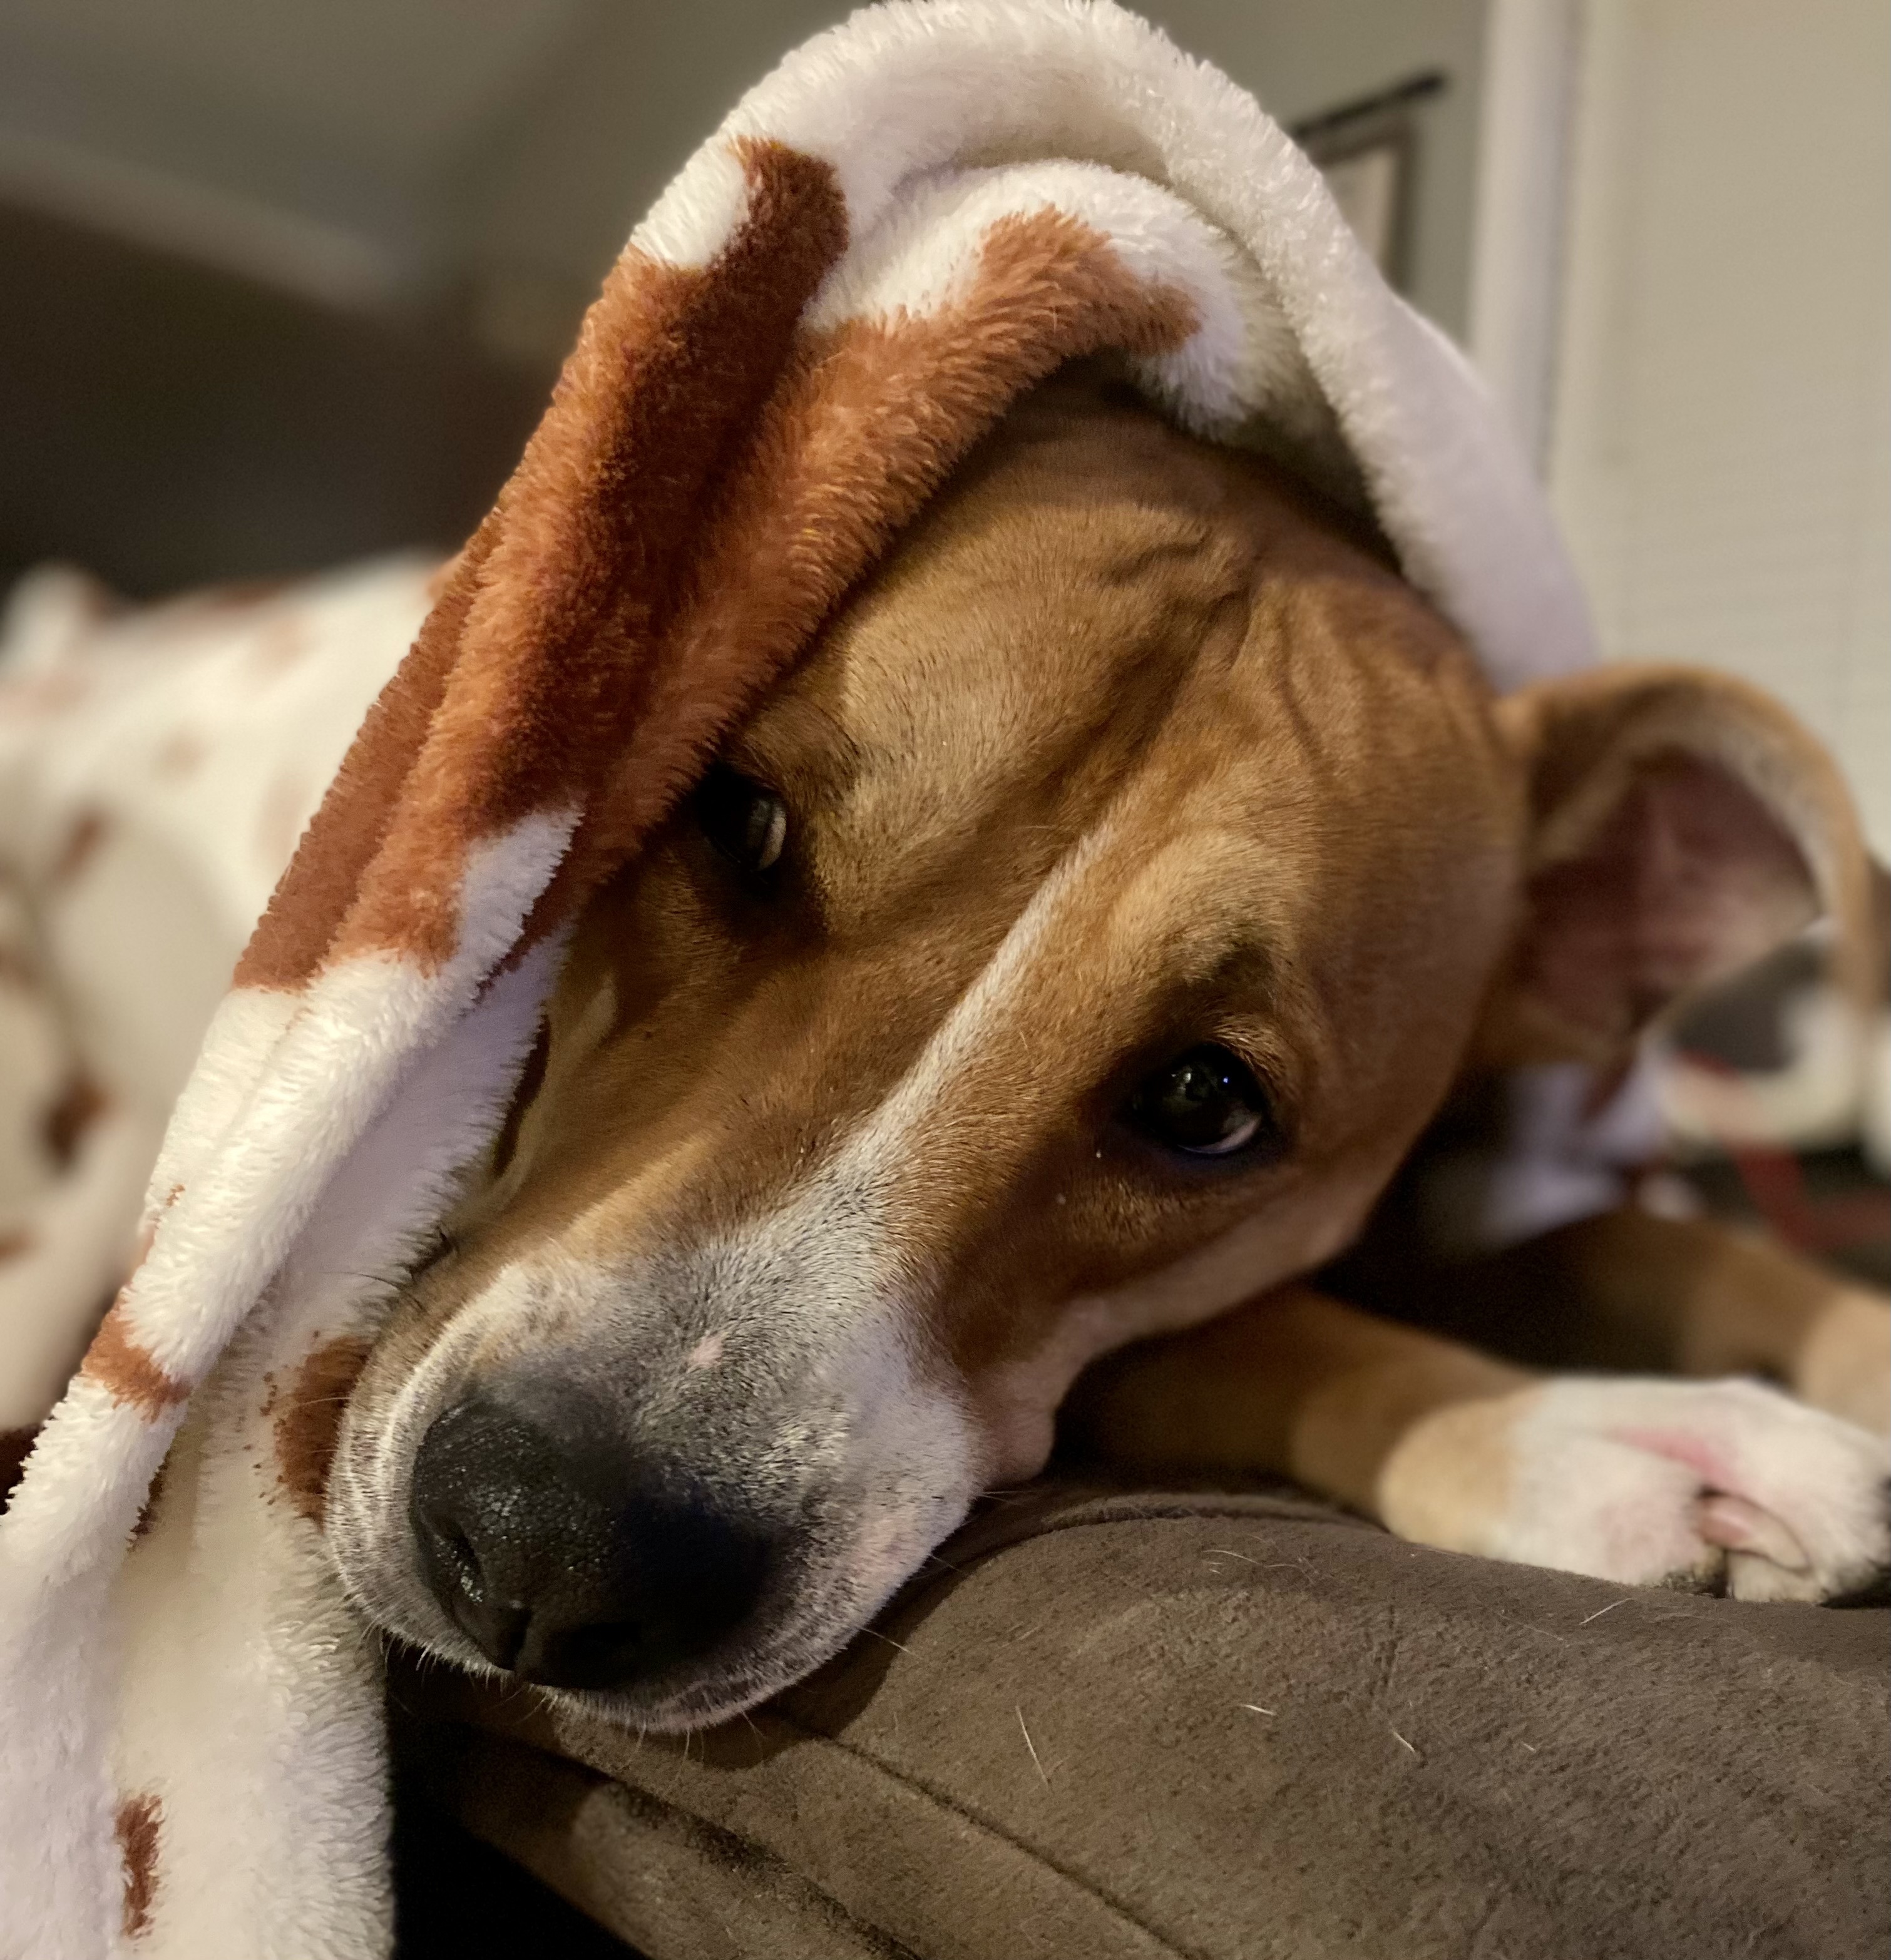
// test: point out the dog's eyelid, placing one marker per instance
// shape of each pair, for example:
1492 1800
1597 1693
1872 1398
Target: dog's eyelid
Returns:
1266 1060
443 1245
1208 1102
744 819
1279 1092
738 760
797 748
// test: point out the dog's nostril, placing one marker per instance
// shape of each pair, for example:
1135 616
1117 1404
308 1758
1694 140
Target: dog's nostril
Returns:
560 1557
499 1632
454 1550
496 1625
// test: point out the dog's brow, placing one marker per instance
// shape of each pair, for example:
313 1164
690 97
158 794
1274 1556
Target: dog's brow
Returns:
796 744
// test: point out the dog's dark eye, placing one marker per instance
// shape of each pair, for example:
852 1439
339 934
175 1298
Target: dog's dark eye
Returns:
747 823
1206 1103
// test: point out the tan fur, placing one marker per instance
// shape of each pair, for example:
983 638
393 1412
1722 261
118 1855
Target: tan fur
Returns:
1298 1382
1110 633
1261 796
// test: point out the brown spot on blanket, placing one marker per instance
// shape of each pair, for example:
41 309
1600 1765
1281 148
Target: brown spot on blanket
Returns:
812 503
181 754
14 1243
147 1511
87 833
186 615
126 1369
527 673
314 893
278 647
43 693
80 1105
308 1418
139 1820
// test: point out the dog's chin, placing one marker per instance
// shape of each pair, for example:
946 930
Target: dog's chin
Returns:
714 1695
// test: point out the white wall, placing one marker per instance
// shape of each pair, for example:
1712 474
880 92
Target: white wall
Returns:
1721 449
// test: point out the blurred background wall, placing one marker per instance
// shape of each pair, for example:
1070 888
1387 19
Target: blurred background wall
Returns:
282 284
1720 439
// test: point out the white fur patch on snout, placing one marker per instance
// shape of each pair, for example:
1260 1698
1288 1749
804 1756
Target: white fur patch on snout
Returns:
1721 1485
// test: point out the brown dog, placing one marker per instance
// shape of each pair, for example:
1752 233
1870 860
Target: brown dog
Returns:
1069 953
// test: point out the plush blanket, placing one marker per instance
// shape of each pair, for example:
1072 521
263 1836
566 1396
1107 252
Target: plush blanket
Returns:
918 215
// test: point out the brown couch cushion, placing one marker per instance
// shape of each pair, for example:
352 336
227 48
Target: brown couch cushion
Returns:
1236 1726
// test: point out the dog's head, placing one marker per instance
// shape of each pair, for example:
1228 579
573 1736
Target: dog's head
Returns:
1069 949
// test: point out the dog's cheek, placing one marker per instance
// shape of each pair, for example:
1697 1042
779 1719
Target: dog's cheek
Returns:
1019 1444
1013 1412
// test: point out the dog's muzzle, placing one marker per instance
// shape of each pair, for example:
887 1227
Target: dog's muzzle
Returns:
565 1556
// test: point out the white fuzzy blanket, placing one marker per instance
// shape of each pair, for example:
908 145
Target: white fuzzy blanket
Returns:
918 215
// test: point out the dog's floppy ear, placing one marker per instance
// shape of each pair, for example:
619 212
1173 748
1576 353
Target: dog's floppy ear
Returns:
1682 824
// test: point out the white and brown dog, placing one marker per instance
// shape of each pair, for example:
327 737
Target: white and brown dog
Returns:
1067 955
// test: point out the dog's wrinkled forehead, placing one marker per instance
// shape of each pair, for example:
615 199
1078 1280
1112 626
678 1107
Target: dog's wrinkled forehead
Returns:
998 682
1066 619
1116 749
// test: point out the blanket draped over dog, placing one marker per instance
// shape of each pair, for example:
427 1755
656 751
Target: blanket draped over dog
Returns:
920 214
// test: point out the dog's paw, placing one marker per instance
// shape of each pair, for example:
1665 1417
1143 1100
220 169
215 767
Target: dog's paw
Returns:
1719 1486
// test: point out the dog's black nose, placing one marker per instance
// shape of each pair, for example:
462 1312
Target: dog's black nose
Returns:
562 1558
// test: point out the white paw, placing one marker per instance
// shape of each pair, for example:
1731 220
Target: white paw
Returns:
1725 1486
